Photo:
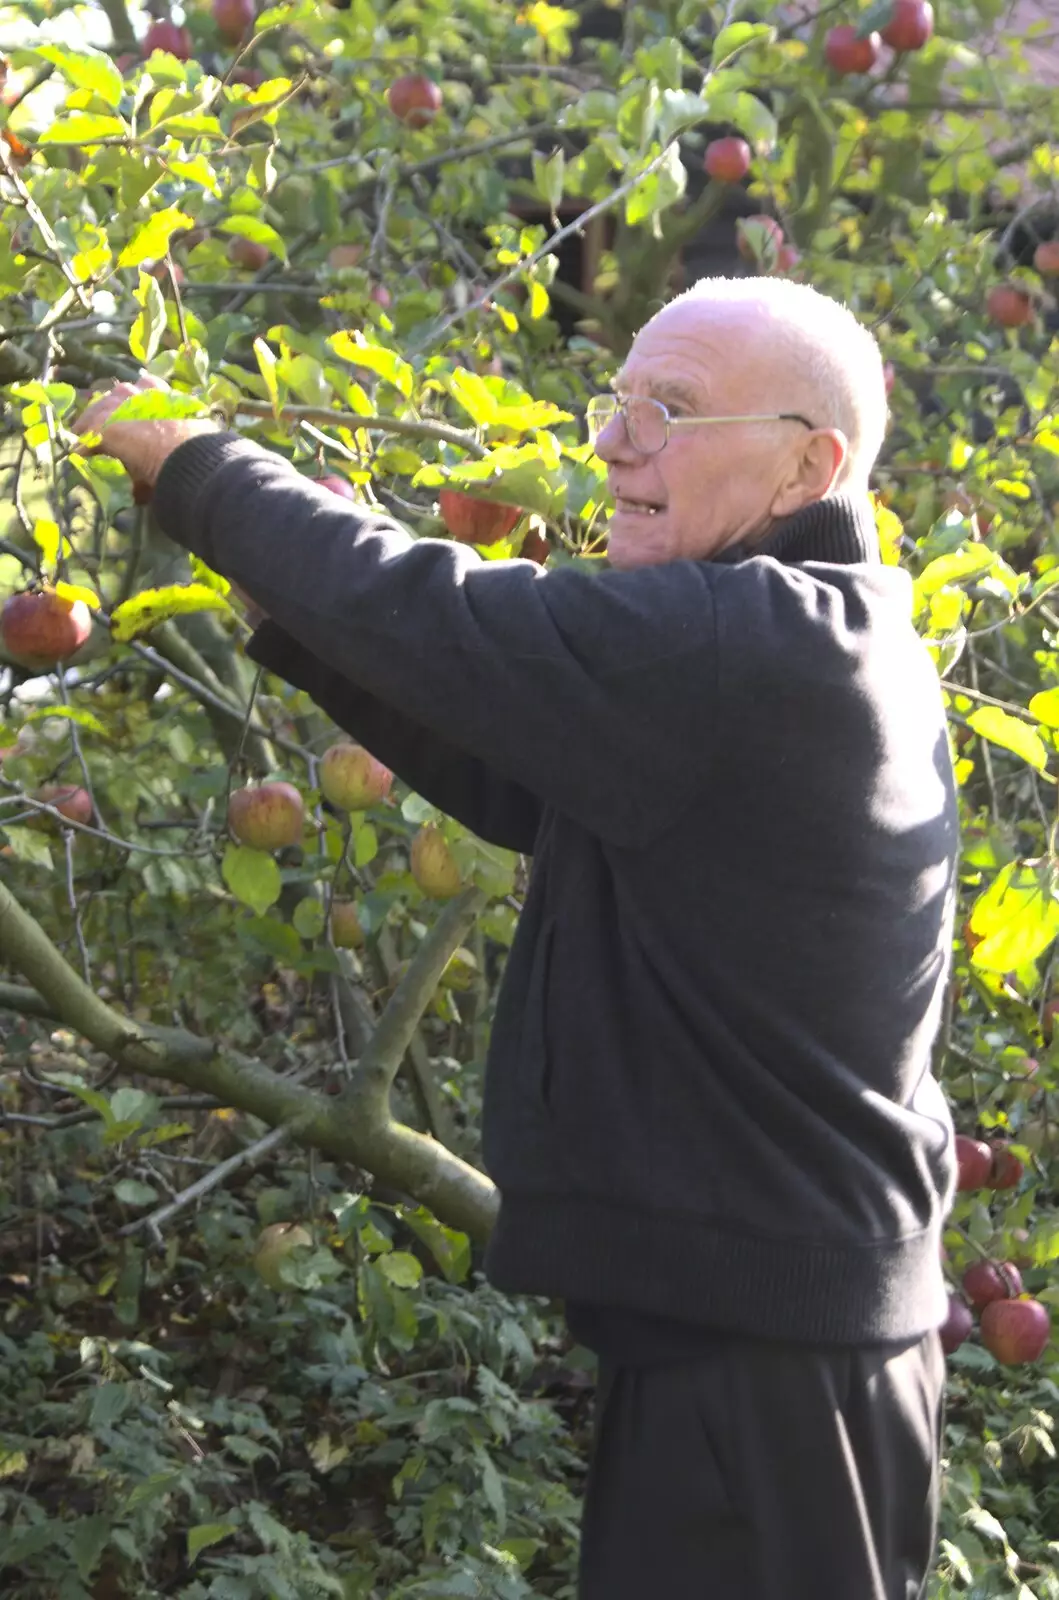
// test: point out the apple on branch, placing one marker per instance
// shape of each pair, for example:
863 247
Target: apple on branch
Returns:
267 816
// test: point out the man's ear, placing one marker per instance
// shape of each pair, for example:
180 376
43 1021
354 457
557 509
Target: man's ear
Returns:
812 468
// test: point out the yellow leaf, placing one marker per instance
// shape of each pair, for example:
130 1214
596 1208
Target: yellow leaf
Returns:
77 591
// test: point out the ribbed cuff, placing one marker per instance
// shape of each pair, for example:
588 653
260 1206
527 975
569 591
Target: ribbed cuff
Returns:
183 478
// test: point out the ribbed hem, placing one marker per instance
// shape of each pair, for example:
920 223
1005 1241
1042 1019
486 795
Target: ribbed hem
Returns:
571 1248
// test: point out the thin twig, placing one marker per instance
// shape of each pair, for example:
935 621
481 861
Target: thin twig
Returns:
154 1220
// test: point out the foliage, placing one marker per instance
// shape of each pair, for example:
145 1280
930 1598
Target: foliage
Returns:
435 305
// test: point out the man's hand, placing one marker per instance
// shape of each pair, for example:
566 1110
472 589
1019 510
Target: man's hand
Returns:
141 447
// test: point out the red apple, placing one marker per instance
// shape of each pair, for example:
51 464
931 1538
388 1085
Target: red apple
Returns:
846 52
381 295
758 238
234 18
957 1325
986 1281
974 1162
39 628
1015 1330
787 257
344 255
889 376
535 547
1046 258
414 99
167 36
346 931
340 486
248 253
351 778
1009 305
727 159
68 800
267 816
910 26
474 521
1006 1169
433 865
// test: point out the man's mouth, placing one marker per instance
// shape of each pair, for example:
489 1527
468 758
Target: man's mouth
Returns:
637 508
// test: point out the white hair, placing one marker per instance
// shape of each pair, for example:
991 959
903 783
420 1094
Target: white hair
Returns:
831 365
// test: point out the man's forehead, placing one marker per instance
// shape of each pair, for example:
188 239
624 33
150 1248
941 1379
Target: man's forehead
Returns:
686 353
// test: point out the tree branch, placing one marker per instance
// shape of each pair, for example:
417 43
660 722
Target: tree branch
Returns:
369 424
397 1156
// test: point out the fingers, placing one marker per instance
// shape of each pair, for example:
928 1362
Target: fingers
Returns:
102 406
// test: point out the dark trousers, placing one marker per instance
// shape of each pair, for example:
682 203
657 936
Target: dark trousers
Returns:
766 1471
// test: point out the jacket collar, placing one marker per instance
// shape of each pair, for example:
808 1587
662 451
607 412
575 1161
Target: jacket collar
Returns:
839 529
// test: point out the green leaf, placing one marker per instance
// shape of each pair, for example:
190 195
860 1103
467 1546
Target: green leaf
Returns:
151 241
450 1249
739 36
518 475
401 1269
83 128
145 335
28 846
131 1192
152 606
548 176
89 70
83 719
365 845
197 170
999 727
132 1105
308 918
207 1533
252 876
60 396
266 362
355 348
661 189
260 232
1016 918
153 405
970 561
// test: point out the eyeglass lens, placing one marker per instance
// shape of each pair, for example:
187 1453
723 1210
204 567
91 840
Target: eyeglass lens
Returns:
645 420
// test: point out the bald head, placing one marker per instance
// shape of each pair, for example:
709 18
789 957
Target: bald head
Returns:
783 401
801 348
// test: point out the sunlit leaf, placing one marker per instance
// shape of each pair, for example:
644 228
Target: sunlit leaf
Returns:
1016 918
1001 728
152 606
151 241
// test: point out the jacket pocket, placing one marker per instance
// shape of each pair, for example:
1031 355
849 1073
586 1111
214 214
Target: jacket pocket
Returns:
537 1056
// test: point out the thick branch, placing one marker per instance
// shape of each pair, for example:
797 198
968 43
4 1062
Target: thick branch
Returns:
397 1156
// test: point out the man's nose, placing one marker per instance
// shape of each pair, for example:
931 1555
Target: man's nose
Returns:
613 442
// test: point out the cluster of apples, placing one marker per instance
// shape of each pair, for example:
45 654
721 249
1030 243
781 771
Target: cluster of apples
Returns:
911 25
1014 305
1014 1326
473 521
760 238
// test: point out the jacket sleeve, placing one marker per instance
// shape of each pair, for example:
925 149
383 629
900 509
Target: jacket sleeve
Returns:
459 784
594 691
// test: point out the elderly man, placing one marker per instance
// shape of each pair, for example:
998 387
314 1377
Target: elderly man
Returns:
709 1108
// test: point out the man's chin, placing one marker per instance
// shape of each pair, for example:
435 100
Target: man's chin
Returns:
637 540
